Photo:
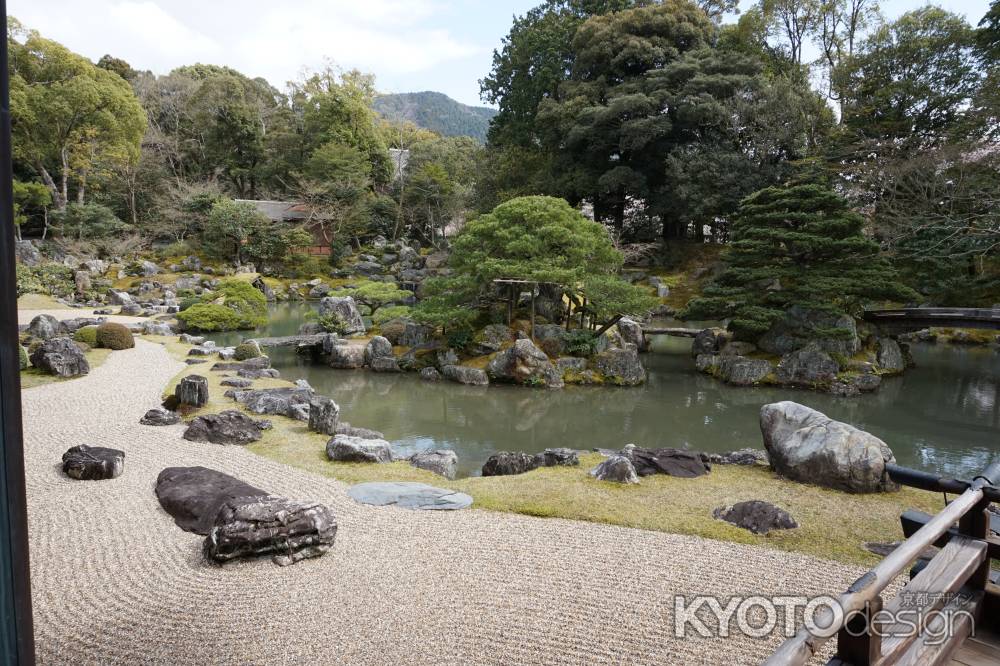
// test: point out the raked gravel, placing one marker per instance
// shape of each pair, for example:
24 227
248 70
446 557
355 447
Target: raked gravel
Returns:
116 582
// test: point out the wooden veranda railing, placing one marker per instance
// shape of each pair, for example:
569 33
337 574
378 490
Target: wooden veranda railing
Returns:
954 586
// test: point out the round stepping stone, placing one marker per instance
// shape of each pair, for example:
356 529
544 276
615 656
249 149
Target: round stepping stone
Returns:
93 463
409 495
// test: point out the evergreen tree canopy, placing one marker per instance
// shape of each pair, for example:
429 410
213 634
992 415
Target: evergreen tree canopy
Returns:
800 245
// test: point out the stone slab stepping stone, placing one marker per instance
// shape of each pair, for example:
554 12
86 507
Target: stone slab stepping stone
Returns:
409 495
93 463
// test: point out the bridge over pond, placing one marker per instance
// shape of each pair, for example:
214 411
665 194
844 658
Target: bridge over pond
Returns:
918 318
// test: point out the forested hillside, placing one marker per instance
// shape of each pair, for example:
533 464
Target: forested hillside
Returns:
437 112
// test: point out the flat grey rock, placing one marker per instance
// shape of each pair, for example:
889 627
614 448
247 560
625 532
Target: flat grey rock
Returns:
409 495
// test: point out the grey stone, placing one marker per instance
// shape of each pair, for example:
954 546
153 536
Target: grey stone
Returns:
505 463
409 495
414 334
324 414
757 516
26 252
159 416
441 462
262 287
377 347
524 363
616 468
806 445
737 348
385 364
193 339
430 375
154 328
93 463
631 332
46 327
148 268
889 356
131 310
465 375
61 357
345 448
228 427
192 496
558 457
492 338
119 297
277 401
669 461
551 338
347 357
743 457
237 382
345 428
708 341
620 366
347 310
809 366
801 326
571 363
192 390
447 357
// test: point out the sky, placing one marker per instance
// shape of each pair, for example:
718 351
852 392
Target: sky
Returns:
410 45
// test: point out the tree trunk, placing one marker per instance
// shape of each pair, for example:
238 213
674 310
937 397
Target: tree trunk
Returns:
47 180
65 180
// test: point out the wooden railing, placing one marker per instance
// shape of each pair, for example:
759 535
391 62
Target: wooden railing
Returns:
954 586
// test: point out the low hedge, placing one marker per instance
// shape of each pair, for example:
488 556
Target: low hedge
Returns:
242 307
86 335
246 351
114 336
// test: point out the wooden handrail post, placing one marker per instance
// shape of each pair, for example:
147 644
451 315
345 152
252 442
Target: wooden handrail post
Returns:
859 641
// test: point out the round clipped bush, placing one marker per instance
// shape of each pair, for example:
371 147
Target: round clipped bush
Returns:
22 357
114 336
87 335
247 350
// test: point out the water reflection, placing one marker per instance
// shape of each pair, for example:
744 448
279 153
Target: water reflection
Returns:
942 416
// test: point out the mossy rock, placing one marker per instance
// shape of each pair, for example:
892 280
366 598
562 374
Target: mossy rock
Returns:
247 350
86 335
22 357
114 336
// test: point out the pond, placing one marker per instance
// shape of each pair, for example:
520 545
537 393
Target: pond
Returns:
942 416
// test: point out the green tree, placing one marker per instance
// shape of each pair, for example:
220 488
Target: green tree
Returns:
795 245
30 197
70 118
378 294
229 226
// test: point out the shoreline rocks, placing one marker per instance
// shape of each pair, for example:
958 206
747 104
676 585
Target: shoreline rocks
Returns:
346 448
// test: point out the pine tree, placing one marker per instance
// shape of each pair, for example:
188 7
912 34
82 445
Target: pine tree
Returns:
800 245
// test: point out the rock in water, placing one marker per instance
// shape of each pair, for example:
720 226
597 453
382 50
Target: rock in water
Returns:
345 448
558 457
408 495
616 468
524 363
345 428
809 366
673 462
806 445
631 332
347 357
194 495
505 463
621 366
465 375
158 416
323 415
430 375
757 516
441 462
93 463
889 356
45 327
287 530
229 427
377 347
346 309
192 390
61 357
385 364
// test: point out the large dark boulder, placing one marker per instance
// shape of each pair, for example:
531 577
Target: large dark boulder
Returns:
559 457
504 463
192 390
287 530
229 427
800 327
616 468
61 357
346 357
757 516
377 347
673 462
46 327
708 341
193 495
159 416
93 463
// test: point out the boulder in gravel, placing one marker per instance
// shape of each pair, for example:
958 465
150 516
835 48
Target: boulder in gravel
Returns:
465 375
409 495
757 516
46 327
193 495
441 462
559 457
505 463
93 463
323 415
228 427
672 462
346 357
159 416
377 347
345 448
60 357
616 468
287 530
524 363
805 445
192 390
346 309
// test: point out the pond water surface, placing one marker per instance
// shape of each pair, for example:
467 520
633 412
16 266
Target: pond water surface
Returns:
942 416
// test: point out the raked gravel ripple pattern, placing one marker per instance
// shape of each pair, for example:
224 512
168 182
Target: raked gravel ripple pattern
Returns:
116 582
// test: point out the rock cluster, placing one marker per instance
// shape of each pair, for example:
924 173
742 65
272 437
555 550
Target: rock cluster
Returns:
228 427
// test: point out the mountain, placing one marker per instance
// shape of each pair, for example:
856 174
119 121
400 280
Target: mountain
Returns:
437 112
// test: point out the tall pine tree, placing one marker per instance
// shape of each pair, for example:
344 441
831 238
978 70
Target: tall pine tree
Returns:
798 244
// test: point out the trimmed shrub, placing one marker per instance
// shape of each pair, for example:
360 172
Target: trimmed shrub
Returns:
243 307
114 336
22 357
247 350
86 335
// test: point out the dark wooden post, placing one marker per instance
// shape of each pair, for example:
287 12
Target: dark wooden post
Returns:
860 641
531 331
17 644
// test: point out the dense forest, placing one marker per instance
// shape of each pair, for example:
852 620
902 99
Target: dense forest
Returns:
436 112
657 119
